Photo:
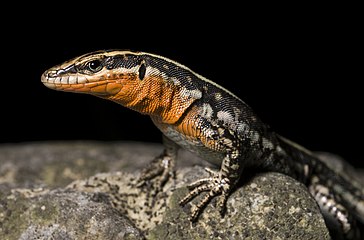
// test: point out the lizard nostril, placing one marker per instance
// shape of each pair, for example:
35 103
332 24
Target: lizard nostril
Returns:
51 74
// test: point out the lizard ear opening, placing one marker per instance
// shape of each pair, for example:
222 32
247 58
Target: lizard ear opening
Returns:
142 70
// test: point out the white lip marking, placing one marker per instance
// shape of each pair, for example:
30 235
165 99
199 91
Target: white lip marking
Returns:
65 79
72 79
57 80
82 79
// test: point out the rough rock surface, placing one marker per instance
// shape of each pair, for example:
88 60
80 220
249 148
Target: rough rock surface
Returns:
62 214
86 190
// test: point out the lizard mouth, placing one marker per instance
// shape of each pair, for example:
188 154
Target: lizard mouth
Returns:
80 84
53 76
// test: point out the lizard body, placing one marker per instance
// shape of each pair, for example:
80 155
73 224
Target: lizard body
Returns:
197 114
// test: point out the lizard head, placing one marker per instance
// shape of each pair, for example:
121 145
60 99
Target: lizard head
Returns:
144 82
101 73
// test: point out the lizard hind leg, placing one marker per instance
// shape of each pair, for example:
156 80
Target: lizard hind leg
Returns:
161 169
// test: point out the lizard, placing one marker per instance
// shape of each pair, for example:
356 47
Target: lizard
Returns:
197 114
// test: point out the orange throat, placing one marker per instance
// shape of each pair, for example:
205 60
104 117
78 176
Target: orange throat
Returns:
153 96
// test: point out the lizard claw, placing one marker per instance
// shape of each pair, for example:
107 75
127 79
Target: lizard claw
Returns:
214 185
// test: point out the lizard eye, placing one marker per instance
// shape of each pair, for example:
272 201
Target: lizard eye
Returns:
94 66
142 70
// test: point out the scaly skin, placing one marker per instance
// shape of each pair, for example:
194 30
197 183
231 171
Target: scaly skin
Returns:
195 113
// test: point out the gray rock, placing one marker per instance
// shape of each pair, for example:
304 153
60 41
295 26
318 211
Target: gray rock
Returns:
62 214
61 195
268 206
56 164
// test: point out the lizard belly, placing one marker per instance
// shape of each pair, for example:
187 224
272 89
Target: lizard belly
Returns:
191 140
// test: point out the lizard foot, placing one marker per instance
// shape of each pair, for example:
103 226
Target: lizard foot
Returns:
157 173
214 185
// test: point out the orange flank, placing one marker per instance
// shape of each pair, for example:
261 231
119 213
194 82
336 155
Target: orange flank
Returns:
186 126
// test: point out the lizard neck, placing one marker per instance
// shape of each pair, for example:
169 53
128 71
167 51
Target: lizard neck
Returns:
154 97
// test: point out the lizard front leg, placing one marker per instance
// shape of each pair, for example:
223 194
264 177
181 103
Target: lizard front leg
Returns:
220 182
161 168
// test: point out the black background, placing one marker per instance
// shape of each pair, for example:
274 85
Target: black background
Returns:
300 68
